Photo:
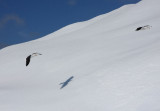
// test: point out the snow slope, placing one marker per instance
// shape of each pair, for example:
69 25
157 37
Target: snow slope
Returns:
103 63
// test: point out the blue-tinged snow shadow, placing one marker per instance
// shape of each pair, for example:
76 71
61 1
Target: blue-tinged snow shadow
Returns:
66 82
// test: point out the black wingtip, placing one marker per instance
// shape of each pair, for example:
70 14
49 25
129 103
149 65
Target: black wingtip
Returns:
28 60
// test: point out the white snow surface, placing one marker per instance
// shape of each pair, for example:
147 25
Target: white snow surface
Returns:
114 67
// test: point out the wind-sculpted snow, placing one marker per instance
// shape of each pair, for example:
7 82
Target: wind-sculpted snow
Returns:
103 65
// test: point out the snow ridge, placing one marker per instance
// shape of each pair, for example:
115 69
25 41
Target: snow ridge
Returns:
102 64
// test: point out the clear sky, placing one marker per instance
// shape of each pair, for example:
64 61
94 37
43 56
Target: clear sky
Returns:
24 20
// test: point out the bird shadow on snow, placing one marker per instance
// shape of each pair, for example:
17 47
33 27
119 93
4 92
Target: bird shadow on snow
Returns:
66 82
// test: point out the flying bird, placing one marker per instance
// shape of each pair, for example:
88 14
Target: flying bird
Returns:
143 27
28 59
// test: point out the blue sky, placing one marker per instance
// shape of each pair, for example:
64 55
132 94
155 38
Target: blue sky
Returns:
25 20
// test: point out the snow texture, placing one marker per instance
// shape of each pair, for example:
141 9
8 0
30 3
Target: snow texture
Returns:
115 68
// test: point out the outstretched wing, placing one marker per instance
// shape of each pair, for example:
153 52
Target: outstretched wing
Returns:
28 60
139 28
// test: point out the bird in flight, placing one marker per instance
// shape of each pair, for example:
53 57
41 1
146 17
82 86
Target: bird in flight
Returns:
28 59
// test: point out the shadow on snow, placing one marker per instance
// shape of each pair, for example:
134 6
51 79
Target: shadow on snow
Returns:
66 82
